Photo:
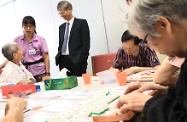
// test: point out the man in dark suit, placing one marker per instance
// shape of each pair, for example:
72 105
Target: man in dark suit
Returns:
74 41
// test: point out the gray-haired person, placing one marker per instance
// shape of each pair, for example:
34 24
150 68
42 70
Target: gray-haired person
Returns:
74 41
164 23
14 72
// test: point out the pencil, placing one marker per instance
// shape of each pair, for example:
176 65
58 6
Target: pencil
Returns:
35 108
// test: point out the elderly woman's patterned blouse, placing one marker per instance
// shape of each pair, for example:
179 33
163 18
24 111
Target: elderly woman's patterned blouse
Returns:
13 73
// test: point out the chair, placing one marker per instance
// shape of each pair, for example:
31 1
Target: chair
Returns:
102 62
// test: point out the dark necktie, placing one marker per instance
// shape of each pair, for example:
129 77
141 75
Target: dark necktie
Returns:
64 46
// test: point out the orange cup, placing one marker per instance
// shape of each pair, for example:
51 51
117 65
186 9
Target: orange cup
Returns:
121 78
86 78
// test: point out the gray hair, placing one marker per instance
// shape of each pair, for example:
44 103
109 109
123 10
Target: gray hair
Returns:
145 13
8 50
64 4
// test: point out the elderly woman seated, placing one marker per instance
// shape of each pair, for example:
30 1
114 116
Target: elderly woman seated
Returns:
14 72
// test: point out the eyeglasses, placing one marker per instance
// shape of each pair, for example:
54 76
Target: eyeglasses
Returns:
145 38
62 12
129 49
28 26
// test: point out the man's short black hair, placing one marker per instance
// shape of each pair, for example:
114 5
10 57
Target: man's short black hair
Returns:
128 36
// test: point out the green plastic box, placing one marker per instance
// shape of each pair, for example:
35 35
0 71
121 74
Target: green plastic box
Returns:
61 83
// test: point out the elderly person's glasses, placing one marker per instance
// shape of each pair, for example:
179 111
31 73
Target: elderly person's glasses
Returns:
145 38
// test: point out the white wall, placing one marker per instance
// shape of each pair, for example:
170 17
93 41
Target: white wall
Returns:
8 26
106 19
115 20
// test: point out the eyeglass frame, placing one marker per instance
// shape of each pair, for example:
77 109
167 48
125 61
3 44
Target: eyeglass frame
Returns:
28 26
145 38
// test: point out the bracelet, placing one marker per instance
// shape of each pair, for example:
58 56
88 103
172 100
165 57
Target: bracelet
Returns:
47 73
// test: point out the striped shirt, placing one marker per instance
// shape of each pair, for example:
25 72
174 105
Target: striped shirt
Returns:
145 58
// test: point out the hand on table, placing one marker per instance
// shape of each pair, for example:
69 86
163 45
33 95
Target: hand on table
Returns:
134 98
144 86
30 81
16 103
23 81
134 101
131 70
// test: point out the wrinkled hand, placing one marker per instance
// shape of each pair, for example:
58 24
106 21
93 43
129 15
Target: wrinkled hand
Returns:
16 102
131 70
144 86
133 87
134 101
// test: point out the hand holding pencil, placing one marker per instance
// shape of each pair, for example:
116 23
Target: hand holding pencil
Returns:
15 102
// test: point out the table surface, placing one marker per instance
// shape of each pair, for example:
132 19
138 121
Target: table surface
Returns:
55 104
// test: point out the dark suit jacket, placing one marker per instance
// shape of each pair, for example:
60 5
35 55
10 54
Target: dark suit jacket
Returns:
79 41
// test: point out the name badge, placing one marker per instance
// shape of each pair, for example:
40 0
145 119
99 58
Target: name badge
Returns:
32 52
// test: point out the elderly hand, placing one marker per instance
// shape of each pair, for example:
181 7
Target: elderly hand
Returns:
144 86
131 70
133 86
134 101
16 103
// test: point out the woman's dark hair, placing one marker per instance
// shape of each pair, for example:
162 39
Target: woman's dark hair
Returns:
29 20
128 36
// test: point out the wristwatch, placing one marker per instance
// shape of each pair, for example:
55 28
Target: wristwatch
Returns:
47 74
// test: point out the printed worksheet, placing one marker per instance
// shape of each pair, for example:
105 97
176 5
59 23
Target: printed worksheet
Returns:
141 76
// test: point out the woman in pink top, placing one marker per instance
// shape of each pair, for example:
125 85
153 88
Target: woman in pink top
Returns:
35 50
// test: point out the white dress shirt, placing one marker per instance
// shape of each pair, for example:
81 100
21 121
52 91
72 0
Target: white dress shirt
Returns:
70 26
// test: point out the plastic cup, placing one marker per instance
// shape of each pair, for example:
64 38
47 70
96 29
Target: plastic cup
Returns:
121 78
87 78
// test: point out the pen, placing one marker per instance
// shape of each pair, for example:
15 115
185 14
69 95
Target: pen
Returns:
35 108
26 110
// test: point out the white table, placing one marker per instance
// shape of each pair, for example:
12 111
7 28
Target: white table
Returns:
55 103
